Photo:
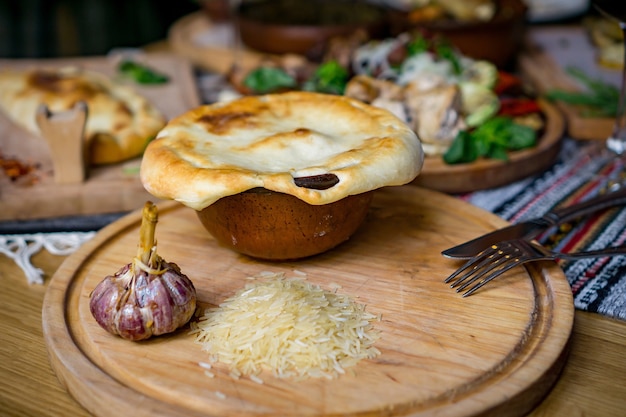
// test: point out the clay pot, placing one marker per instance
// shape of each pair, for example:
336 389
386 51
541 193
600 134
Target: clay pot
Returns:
294 26
497 40
275 226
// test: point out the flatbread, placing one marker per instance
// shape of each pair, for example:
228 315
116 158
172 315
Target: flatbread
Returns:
266 141
120 122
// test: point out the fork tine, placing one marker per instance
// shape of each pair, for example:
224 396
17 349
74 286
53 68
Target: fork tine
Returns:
510 264
477 267
473 263
493 267
486 266
477 271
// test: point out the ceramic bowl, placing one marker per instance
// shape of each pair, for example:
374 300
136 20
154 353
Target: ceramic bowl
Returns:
299 27
274 226
496 40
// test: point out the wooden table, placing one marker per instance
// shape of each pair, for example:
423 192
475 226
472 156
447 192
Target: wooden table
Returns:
592 383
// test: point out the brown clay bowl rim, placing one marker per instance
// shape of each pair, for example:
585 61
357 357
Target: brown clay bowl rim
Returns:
499 20
308 28
380 19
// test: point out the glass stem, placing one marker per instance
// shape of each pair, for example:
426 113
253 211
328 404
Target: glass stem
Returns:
617 141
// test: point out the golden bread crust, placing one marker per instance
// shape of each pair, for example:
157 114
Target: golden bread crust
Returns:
119 124
266 141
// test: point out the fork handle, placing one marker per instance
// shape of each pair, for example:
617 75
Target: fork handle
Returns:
600 202
600 253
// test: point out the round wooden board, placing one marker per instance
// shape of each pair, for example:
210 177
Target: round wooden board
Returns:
494 353
490 173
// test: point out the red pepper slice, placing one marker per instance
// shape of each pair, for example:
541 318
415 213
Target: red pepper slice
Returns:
518 106
507 82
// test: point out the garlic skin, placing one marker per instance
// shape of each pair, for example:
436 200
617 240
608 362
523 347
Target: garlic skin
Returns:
147 297
137 305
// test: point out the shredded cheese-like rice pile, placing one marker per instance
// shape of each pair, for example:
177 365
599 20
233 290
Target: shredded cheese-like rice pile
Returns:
289 326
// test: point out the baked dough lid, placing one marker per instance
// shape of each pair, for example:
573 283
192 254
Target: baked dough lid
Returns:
120 122
223 149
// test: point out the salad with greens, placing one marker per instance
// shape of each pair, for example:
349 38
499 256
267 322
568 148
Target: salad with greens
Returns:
461 108
329 77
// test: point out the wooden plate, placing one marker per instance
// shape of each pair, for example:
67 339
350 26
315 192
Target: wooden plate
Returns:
490 173
108 188
495 353
547 53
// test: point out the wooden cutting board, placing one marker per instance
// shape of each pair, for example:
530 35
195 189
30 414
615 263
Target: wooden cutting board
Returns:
108 189
494 353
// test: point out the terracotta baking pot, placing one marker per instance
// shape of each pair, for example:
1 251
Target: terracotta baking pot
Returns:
275 226
299 27
497 40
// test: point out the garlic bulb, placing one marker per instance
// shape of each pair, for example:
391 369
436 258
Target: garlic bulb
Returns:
147 297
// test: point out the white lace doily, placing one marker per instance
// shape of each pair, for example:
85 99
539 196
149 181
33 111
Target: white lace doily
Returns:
20 248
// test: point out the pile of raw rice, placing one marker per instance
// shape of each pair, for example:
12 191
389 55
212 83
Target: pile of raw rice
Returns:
289 326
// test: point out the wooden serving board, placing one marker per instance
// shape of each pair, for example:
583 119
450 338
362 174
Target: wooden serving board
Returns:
107 189
548 52
495 353
490 173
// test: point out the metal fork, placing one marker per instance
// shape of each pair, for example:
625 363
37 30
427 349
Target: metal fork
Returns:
503 256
